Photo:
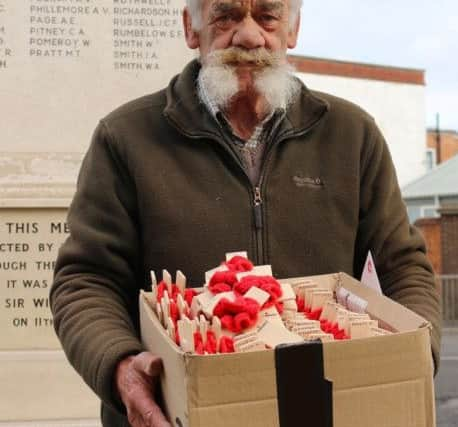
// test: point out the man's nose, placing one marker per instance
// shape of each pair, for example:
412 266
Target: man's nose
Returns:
248 34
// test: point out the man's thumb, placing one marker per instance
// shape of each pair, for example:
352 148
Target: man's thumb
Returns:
148 363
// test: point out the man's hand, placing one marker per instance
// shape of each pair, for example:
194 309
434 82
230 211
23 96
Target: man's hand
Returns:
136 378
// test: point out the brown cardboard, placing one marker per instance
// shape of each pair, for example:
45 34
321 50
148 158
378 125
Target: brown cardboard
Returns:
377 382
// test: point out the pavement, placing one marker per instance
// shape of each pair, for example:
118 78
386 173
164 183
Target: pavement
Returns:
446 382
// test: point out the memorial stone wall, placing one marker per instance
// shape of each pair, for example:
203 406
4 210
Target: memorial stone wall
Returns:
64 64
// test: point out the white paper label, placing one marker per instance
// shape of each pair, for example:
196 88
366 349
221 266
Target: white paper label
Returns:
210 273
260 296
209 305
258 270
369 276
272 334
287 292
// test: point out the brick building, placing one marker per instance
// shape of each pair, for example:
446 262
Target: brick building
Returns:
441 146
432 204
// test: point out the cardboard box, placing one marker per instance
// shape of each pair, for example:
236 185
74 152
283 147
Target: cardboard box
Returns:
375 382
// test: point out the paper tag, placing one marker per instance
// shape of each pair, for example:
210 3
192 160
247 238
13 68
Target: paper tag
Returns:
258 295
204 298
296 321
258 270
287 292
153 300
209 305
203 328
329 311
181 304
308 294
252 335
244 347
321 336
180 281
165 305
186 333
341 317
216 327
369 276
167 279
360 329
195 307
306 330
319 298
379 331
153 278
230 255
159 313
290 305
352 317
272 315
301 287
272 334
210 273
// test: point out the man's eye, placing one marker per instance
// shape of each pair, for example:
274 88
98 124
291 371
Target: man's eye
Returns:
225 21
267 20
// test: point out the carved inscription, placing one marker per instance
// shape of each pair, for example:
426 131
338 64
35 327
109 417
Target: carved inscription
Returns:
5 50
139 28
64 64
29 241
57 29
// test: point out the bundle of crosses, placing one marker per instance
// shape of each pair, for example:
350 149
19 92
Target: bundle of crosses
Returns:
243 308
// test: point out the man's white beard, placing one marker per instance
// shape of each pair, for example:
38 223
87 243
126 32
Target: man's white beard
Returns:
273 80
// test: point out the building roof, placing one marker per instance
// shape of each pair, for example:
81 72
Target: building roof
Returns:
441 181
443 131
308 64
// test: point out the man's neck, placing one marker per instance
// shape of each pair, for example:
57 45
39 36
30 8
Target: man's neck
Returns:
245 112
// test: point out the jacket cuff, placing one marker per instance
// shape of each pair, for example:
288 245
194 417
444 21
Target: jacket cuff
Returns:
106 386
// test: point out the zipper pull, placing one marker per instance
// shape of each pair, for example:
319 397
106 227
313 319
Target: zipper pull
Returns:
257 207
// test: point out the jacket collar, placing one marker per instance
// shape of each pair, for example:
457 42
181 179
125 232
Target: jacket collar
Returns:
185 111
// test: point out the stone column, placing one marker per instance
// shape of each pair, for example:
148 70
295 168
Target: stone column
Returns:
63 66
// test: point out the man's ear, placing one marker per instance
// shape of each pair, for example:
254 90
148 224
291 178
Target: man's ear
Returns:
294 32
191 36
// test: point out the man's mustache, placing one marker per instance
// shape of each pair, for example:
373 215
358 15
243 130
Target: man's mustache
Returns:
259 57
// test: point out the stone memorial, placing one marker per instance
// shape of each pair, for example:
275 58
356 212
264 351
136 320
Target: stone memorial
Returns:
64 64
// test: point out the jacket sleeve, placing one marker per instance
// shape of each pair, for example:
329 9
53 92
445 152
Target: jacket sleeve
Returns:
398 248
94 294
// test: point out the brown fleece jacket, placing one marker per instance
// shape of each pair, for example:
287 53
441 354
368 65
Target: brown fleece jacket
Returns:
160 187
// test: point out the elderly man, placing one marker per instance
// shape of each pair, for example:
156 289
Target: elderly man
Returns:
235 154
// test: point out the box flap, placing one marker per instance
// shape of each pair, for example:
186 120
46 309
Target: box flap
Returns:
226 379
378 360
173 379
388 378
392 315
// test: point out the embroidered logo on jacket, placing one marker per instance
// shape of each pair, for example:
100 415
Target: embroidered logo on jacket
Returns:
307 181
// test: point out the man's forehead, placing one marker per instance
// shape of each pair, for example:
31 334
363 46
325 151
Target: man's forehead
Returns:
231 4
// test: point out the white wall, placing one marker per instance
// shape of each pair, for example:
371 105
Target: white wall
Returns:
399 110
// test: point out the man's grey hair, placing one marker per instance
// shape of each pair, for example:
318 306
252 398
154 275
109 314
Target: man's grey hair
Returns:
195 10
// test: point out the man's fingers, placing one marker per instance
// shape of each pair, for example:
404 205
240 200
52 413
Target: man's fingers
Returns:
148 363
155 417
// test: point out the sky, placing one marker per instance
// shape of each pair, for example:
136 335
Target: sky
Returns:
402 33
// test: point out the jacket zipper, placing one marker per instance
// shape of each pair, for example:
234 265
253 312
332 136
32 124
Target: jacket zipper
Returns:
257 208
258 204
256 190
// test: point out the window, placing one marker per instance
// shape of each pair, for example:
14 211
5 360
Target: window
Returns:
430 159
